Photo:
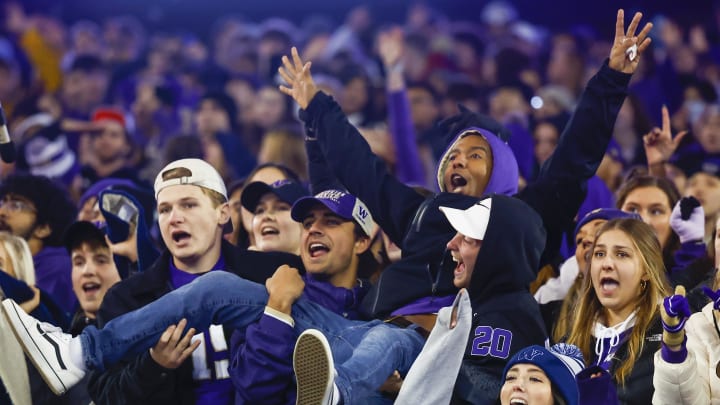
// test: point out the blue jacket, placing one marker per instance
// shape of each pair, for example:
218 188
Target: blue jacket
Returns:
417 226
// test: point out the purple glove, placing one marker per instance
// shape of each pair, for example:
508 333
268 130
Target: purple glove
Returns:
688 220
713 295
676 306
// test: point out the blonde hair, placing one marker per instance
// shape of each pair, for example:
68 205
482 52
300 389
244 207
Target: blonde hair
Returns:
589 309
287 148
19 254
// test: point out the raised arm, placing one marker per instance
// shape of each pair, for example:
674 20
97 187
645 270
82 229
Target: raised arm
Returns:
408 167
586 137
348 155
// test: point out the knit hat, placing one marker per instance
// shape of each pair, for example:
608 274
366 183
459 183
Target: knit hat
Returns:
606 214
286 190
199 173
561 363
341 203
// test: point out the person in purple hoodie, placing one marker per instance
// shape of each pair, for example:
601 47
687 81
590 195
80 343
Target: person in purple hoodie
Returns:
39 211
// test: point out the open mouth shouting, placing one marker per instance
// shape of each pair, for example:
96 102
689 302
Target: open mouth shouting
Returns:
460 267
518 401
457 182
269 230
180 237
317 249
90 288
608 285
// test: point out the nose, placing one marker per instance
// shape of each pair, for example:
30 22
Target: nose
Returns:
453 244
315 229
459 161
175 216
518 386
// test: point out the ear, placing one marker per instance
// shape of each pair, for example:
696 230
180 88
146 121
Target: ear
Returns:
41 231
362 244
223 213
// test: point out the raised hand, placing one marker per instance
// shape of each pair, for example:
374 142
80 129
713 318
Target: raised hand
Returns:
390 47
172 349
300 84
674 313
713 295
659 143
625 40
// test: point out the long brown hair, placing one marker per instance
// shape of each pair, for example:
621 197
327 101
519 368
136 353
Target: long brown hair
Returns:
673 195
590 310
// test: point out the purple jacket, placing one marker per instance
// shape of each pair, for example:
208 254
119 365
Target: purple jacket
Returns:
261 356
53 273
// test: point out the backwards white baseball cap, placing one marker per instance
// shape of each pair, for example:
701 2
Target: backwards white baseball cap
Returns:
198 173
471 222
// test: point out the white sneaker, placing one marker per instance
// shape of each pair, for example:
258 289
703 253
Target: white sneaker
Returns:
46 346
314 369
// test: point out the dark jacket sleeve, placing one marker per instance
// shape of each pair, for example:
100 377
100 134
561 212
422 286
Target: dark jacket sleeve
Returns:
140 380
261 366
321 178
392 203
561 185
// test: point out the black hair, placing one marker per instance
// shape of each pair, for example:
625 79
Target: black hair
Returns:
52 203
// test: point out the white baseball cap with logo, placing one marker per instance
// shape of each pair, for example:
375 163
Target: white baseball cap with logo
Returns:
199 173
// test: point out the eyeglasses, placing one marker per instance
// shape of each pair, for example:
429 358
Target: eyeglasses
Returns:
16 205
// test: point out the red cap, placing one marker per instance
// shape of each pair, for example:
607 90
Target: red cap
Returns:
109 114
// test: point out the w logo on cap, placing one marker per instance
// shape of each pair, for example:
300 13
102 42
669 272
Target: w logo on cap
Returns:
362 212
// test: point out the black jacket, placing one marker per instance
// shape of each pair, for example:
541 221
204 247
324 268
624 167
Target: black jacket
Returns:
419 228
506 317
141 380
638 388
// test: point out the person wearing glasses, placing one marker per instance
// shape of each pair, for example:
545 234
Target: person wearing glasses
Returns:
38 210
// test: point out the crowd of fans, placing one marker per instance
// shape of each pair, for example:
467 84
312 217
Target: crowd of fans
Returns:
146 159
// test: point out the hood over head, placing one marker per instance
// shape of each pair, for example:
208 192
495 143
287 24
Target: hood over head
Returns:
513 240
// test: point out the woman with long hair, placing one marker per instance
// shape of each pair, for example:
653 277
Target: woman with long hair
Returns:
617 323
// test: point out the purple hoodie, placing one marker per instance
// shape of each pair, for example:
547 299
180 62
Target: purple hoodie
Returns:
504 172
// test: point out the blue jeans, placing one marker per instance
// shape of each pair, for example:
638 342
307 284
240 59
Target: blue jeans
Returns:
365 353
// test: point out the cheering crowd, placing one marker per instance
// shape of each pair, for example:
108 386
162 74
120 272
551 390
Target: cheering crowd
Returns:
434 212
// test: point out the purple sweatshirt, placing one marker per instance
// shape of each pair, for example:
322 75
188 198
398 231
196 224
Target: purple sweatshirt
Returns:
261 355
408 167
53 274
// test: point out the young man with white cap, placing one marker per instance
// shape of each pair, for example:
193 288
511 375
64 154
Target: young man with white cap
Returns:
192 211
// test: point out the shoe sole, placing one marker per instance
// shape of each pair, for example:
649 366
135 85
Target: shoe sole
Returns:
314 369
33 351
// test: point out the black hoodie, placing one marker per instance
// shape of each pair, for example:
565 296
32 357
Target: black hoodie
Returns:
506 317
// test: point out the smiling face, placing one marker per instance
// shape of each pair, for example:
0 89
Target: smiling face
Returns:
464 252
653 205
330 246
93 273
274 229
526 384
616 272
469 166
191 227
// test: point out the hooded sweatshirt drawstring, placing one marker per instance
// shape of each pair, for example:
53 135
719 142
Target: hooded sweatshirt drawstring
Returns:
603 333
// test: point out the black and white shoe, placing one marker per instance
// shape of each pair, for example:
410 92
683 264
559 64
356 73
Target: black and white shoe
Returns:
46 345
314 369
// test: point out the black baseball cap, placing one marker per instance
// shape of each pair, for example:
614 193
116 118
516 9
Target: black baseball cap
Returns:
286 190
